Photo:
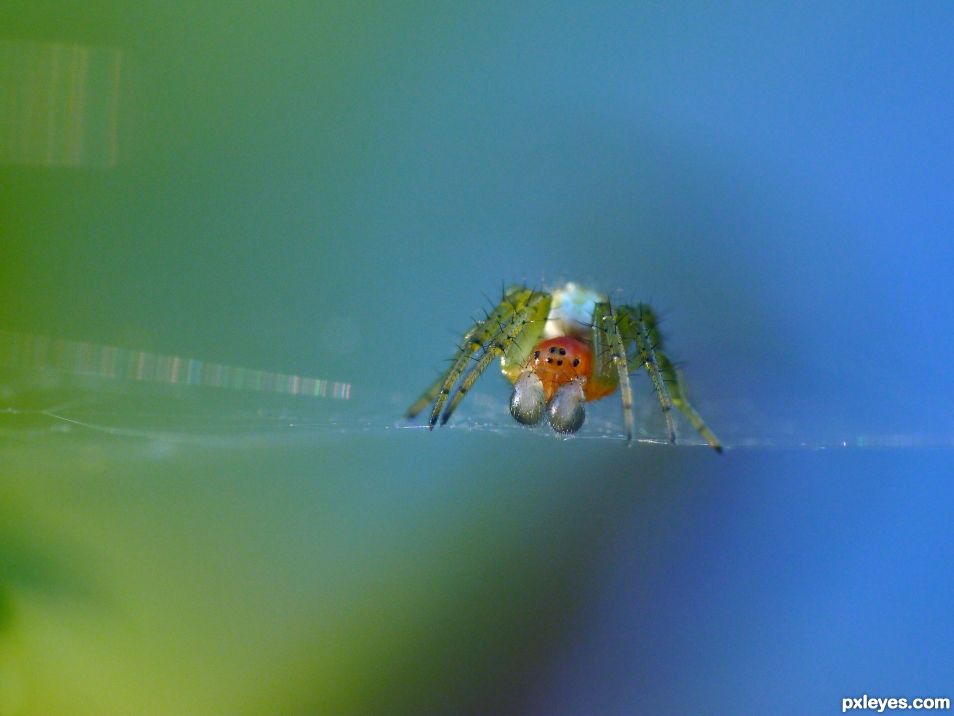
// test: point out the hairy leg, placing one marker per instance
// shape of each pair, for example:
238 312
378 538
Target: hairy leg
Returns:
677 389
643 330
508 332
642 324
609 359
476 338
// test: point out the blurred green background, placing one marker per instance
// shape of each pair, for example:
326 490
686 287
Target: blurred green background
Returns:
332 190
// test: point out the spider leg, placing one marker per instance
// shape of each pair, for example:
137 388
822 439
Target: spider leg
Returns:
641 324
677 388
609 356
472 342
507 334
427 397
474 339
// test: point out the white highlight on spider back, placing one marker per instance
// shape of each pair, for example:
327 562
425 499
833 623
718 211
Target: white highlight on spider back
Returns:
571 311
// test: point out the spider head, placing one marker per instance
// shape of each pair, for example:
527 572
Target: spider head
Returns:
553 382
558 361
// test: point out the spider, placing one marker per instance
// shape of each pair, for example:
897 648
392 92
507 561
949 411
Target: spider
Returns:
560 349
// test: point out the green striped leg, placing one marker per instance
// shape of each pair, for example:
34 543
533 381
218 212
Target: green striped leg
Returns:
677 388
474 339
609 357
506 335
638 327
642 327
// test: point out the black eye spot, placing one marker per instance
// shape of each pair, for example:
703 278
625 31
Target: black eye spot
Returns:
563 351
553 349
559 362
549 360
536 354
576 362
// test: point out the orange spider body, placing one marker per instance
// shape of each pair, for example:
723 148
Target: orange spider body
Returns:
560 360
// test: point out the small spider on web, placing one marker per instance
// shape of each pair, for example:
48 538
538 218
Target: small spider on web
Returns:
562 349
